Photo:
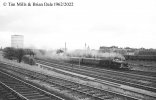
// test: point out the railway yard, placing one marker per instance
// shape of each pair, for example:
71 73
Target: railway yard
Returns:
90 50
61 81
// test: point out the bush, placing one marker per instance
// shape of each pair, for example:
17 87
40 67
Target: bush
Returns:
28 60
9 53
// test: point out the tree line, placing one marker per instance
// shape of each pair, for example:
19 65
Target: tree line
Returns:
16 53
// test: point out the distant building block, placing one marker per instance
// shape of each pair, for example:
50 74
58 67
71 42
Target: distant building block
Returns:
17 41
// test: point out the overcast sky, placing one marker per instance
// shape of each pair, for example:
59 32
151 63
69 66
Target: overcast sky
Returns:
124 23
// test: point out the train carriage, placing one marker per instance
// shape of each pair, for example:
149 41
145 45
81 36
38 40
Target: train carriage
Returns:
107 63
91 61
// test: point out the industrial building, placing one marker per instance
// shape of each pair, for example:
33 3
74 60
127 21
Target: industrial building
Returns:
17 41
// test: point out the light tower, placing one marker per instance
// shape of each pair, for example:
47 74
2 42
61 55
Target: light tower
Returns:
65 47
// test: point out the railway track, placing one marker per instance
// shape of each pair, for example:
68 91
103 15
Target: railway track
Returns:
15 89
82 91
135 72
138 81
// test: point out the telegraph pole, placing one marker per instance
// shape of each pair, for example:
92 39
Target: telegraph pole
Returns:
85 49
85 46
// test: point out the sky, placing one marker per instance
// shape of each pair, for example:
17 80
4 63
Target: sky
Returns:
123 23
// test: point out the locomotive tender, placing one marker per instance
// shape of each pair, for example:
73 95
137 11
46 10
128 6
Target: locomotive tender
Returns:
108 63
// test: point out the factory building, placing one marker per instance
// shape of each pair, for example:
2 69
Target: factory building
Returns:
17 41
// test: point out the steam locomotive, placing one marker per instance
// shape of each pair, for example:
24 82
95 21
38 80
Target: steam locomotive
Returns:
108 63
